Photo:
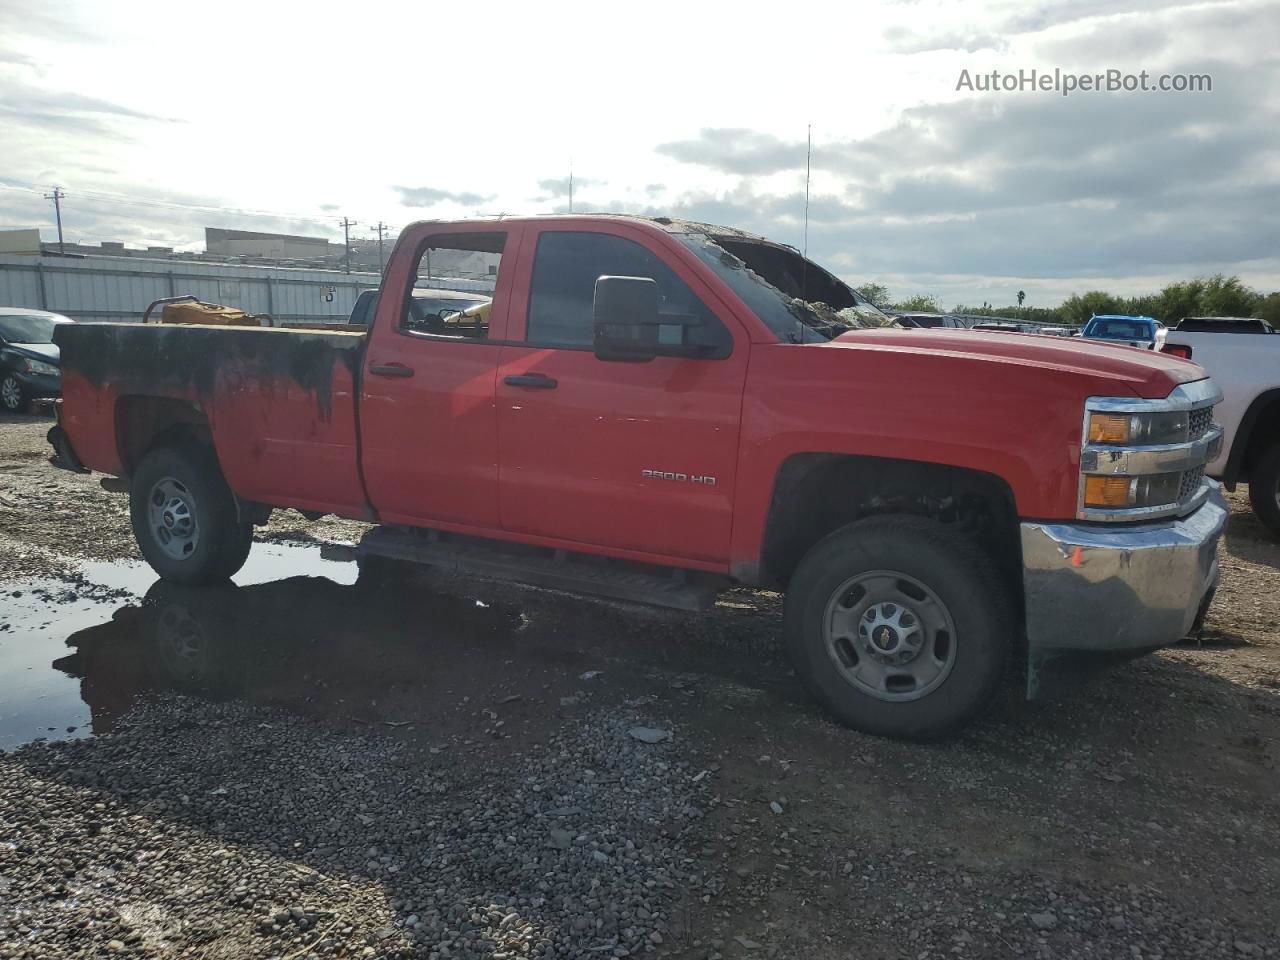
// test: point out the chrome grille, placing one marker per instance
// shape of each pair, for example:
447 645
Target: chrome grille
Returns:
1190 483
1200 422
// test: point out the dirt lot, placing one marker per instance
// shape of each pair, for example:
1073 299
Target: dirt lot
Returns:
335 766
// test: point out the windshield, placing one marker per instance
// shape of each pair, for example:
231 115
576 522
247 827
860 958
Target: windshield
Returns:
1120 329
797 299
24 329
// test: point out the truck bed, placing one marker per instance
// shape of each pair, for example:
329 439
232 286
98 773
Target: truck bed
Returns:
281 404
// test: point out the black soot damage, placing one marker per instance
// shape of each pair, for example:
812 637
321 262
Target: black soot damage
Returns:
184 358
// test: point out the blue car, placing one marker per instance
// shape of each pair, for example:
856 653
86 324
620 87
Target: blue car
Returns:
1146 332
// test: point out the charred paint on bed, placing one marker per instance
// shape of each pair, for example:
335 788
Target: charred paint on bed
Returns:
184 358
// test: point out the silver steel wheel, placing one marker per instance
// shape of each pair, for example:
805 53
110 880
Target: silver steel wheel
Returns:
171 512
10 394
889 635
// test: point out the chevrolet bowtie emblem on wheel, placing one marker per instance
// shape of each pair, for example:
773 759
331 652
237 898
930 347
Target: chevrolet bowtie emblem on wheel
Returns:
678 477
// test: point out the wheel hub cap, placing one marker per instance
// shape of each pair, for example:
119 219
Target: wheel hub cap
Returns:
889 635
173 520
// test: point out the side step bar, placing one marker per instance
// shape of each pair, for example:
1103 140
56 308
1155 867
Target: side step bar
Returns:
539 567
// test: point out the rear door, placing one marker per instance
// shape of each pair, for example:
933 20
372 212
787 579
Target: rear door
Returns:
637 457
429 431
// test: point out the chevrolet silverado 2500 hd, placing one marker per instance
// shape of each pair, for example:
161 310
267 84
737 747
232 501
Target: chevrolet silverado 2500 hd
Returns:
655 410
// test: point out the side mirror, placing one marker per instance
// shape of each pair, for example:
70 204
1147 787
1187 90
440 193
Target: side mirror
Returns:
624 315
628 326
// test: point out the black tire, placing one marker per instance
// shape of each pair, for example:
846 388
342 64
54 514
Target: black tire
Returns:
189 472
966 590
1264 489
13 395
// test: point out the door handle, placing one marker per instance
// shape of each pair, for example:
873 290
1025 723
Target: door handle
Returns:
390 370
532 381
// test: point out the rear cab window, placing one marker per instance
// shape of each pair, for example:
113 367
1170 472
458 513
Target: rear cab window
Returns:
433 307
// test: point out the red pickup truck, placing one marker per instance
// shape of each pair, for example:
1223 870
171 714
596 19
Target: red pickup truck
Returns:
656 410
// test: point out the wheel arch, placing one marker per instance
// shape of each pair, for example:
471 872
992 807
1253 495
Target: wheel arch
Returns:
1259 426
145 422
815 494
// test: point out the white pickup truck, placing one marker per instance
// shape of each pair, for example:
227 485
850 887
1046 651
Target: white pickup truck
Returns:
1243 357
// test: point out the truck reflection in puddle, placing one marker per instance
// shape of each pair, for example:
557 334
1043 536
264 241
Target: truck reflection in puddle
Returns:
399 646
314 645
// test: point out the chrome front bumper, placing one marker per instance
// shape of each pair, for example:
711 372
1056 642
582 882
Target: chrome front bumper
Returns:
1111 588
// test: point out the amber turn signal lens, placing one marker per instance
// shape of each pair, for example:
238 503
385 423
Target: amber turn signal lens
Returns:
1108 428
1107 491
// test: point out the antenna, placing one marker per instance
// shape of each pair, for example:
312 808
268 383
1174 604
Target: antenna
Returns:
808 155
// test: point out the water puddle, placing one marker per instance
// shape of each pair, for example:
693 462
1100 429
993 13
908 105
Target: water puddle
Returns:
300 629
38 617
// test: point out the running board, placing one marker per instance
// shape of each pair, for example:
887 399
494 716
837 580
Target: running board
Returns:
542 567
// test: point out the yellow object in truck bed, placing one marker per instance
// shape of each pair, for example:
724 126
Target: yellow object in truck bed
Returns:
210 313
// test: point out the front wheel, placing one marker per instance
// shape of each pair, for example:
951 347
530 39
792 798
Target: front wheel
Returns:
184 516
899 626
1264 488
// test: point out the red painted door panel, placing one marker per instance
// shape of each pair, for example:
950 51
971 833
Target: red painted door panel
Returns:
634 456
429 432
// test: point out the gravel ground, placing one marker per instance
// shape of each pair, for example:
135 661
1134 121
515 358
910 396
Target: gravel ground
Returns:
435 768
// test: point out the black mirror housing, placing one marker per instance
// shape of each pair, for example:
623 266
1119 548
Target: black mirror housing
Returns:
624 312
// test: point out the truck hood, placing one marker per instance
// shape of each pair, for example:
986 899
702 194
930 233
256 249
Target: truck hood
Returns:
1146 373
47 352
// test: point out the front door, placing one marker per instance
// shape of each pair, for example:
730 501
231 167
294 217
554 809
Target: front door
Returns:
429 431
632 456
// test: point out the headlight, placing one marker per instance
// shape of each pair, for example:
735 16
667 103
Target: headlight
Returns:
44 369
1124 493
1143 459
1139 429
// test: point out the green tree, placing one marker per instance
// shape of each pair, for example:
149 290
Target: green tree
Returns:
877 293
921 302
1078 308
1022 295
1227 297
1268 309
1179 300
1145 305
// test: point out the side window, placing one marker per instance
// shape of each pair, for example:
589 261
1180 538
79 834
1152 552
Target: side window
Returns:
452 295
565 268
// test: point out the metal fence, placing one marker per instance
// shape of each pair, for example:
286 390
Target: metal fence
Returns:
111 288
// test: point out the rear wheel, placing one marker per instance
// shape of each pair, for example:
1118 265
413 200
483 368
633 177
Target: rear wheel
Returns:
184 516
1264 488
899 626
13 398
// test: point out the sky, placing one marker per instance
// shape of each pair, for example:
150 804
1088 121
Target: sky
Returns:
161 118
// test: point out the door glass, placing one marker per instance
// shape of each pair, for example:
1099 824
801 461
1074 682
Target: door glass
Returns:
565 269
453 292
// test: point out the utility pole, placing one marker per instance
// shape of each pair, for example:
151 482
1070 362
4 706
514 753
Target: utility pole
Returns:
382 228
346 243
56 197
